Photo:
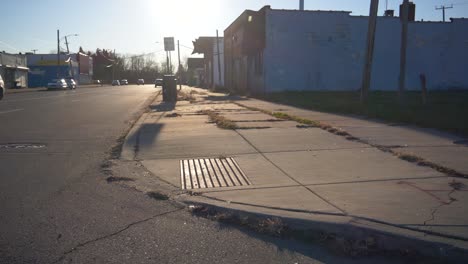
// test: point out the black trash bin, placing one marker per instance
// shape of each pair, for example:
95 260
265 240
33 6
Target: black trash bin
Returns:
169 88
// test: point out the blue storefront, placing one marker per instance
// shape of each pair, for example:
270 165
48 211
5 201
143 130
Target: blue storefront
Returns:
44 67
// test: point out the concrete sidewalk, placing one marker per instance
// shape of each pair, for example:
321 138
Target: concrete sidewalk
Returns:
277 167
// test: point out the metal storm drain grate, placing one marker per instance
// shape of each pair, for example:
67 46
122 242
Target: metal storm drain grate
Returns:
209 173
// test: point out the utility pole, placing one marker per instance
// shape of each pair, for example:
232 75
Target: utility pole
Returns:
34 50
178 55
301 4
404 42
443 10
219 60
70 69
58 54
113 67
374 7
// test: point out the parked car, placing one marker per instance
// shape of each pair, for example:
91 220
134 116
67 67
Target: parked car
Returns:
57 84
141 81
71 83
115 83
124 82
98 82
2 88
158 82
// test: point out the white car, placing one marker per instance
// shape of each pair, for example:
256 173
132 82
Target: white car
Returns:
57 84
141 81
2 88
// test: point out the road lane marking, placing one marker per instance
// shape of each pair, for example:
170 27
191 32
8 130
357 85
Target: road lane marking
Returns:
11 111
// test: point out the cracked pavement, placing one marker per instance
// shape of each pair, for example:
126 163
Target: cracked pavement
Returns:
56 205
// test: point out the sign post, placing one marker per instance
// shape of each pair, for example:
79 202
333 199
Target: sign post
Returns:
169 46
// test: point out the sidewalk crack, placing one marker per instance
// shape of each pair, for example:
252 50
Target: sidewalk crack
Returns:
83 244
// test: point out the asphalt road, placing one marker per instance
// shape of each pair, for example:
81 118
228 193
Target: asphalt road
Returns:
56 206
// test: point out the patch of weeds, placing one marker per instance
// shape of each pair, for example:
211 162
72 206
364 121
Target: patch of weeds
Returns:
173 115
300 120
410 158
424 163
352 138
197 92
184 96
118 179
265 225
157 196
253 127
304 126
219 120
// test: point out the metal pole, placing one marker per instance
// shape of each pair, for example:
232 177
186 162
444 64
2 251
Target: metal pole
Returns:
58 53
170 63
178 55
219 60
374 7
167 62
404 42
301 4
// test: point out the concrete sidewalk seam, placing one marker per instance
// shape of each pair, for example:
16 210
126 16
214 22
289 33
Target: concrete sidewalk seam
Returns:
287 174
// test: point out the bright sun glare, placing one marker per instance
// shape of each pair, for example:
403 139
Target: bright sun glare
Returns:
184 18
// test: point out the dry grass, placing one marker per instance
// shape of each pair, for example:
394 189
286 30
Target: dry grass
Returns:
219 120
184 96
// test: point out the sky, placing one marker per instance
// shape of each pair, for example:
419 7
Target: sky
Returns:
139 26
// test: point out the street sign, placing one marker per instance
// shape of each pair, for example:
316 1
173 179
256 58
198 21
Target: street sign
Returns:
169 44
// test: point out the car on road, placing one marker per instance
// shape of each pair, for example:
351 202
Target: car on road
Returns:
124 82
2 88
98 82
141 81
71 83
158 82
115 83
57 84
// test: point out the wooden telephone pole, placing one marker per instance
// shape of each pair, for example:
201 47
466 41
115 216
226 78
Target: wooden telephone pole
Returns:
404 42
443 10
374 7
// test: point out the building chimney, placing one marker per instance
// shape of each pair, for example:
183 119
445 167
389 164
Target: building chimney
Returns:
411 11
301 4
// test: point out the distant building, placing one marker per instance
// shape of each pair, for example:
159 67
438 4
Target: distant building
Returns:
196 72
209 48
45 67
14 70
283 50
218 63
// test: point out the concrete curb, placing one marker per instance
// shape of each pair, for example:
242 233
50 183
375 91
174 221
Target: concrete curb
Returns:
386 238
